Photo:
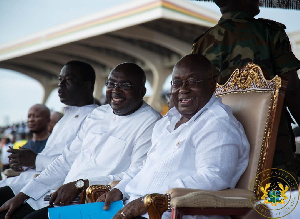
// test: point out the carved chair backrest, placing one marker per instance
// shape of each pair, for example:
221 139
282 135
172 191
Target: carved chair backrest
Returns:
256 103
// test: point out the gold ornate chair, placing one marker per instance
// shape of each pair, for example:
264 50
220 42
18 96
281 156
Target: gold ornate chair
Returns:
93 192
257 104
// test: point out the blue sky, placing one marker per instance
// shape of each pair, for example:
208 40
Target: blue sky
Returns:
19 18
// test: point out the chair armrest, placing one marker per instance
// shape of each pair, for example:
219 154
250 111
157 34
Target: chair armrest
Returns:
157 204
93 192
228 198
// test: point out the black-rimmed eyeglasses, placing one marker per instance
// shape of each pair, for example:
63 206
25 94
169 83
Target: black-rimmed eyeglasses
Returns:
121 85
190 83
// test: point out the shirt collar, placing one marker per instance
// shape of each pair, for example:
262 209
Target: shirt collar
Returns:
75 108
174 112
234 15
144 104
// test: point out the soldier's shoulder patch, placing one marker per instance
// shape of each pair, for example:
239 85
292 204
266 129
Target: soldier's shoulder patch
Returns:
273 24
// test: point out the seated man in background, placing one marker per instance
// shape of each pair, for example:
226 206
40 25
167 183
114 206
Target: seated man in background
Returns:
38 120
113 139
54 118
76 85
199 144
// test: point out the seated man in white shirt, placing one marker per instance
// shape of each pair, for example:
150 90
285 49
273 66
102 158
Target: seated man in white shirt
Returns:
75 88
114 138
199 144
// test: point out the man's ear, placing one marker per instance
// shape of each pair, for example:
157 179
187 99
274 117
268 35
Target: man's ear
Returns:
213 84
143 91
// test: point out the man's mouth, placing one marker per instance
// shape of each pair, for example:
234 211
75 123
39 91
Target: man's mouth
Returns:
30 125
185 100
117 99
60 92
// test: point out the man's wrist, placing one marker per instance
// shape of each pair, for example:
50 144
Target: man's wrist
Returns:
143 198
23 196
79 185
118 191
31 160
86 183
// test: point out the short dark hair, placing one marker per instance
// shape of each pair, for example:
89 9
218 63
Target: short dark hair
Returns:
86 70
139 72
44 109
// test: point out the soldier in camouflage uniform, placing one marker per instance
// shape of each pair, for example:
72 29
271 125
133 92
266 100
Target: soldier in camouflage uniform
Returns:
239 38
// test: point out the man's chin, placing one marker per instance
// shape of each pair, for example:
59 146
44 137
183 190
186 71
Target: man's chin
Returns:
117 108
62 99
187 111
66 101
185 107
118 112
33 131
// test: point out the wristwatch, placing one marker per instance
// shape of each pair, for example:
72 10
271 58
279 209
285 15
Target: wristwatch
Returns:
79 184
143 198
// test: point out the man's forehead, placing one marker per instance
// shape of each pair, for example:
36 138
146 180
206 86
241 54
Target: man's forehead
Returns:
35 109
186 73
191 71
121 76
69 71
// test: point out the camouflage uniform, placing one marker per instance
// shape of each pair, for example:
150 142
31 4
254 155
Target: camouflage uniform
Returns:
238 39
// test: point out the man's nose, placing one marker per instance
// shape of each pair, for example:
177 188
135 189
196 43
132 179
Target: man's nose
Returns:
184 87
117 89
61 82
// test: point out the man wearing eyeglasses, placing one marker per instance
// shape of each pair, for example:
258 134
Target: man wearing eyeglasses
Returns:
199 144
113 139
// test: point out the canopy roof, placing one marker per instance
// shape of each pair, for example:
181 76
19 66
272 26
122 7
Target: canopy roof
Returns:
151 33
284 4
